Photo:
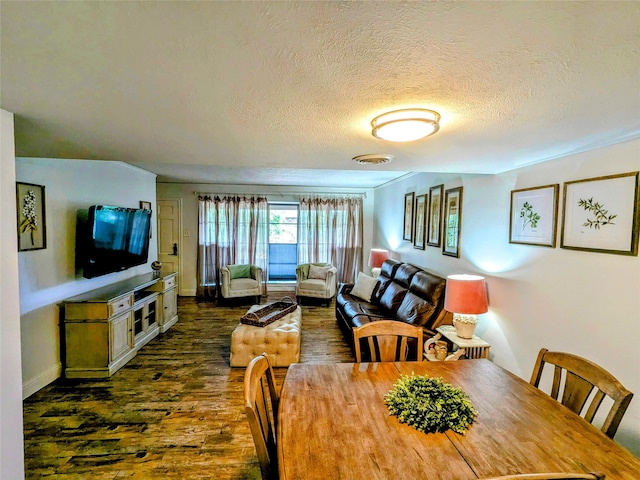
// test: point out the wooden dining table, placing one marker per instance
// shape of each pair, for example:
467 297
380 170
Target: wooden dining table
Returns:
333 424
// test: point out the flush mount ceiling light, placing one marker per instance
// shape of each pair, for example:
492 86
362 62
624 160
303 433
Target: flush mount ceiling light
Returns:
372 159
405 125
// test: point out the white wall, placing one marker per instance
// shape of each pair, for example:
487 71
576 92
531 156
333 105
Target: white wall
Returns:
189 244
49 276
582 302
11 435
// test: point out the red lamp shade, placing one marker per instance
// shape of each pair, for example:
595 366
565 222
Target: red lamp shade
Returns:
377 256
466 294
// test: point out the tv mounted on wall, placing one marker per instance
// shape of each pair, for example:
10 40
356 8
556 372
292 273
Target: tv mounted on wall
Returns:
110 239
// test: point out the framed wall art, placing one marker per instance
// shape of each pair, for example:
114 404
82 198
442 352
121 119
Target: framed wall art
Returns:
32 225
452 221
409 199
601 214
434 225
420 229
533 216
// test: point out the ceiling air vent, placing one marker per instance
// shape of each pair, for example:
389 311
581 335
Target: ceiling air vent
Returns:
373 159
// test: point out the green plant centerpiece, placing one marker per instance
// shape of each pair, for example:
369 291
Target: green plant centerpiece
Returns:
429 404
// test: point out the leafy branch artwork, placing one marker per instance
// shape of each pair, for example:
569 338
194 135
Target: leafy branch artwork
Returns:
531 217
602 216
30 222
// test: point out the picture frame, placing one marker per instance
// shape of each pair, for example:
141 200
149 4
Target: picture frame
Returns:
420 228
452 222
434 225
409 200
601 214
533 216
31 216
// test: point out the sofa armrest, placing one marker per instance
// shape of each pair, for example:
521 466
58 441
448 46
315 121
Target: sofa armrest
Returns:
256 273
345 287
225 280
444 318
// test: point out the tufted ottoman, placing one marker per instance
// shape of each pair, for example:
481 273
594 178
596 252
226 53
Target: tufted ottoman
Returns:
280 340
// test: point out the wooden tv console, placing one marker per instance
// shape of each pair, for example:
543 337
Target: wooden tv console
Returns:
105 328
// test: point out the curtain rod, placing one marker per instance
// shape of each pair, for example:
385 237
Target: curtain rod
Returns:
293 194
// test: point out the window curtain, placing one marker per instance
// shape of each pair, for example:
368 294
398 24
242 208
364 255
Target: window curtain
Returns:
331 231
231 230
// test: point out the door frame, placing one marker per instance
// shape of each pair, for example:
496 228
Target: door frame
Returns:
179 239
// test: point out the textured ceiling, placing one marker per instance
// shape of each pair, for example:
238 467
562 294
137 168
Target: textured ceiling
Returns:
181 87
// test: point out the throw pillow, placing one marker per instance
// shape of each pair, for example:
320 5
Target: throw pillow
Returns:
304 269
318 272
239 271
364 287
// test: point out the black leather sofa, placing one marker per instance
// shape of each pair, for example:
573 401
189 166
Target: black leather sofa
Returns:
405 293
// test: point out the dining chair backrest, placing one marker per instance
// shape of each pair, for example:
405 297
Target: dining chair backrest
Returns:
550 476
261 406
388 340
581 377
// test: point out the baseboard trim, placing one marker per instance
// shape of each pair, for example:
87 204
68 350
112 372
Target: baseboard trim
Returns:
40 381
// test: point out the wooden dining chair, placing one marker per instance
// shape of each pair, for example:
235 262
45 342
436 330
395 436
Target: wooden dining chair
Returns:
261 405
550 476
581 377
388 340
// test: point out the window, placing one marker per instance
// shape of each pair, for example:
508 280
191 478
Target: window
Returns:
283 242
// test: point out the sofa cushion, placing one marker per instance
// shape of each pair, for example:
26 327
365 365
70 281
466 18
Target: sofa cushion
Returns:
428 286
304 270
239 271
244 283
383 284
312 284
415 310
404 274
364 287
389 267
392 297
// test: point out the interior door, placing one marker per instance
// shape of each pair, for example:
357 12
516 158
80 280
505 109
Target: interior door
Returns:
169 247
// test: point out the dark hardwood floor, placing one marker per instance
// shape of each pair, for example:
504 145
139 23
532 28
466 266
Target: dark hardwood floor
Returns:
174 411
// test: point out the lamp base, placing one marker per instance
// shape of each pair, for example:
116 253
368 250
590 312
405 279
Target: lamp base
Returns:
465 324
375 271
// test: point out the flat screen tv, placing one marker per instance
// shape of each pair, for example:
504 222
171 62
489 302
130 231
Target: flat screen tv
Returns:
110 239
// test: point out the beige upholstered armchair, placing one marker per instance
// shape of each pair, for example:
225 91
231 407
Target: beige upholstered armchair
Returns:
241 281
316 280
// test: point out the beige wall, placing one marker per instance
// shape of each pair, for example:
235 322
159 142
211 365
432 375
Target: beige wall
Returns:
189 240
11 444
583 302
49 276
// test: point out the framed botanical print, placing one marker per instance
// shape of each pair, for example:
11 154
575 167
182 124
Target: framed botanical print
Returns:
32 226
434 225
533 216
420 224
409 199
452 221
602 214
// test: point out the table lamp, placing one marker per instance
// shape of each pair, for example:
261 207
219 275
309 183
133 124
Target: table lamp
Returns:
377 256
465 296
